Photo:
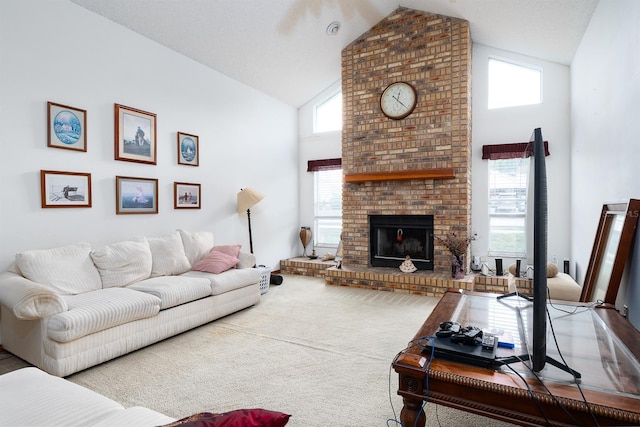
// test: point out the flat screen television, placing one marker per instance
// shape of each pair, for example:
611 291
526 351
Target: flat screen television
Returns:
538 351
539 336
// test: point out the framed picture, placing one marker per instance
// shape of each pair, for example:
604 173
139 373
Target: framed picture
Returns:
136 195
65 189
188 149
186 195
66 127
135 135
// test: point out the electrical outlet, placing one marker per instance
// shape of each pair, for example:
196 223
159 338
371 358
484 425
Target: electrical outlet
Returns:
625 310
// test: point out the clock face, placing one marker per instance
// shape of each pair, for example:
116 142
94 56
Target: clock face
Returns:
398 100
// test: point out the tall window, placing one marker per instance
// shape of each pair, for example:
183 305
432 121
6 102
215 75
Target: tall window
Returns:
508 183
327 207
511 85
328 114
327 200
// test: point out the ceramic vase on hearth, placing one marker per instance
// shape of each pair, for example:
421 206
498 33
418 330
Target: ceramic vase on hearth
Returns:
457 266
305 238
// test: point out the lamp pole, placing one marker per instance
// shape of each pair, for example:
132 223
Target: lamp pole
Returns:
249 221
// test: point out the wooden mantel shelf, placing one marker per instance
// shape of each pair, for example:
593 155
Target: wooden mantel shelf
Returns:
440 173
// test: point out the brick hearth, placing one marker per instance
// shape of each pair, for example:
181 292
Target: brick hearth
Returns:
427 283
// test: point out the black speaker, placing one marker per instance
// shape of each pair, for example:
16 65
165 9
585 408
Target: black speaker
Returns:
517 268
499 271
566 266
276 279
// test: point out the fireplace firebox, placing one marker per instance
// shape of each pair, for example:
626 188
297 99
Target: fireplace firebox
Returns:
393 237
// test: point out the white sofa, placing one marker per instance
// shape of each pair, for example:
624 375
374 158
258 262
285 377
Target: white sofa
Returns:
31 397
69 308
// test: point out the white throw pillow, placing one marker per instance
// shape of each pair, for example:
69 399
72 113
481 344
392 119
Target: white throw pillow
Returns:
196 244
167 253
68 269
123 263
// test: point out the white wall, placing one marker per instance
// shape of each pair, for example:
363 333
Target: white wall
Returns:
516 124
326 145
605 89
54 50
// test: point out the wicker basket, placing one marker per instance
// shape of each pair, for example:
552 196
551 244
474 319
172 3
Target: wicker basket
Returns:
265 278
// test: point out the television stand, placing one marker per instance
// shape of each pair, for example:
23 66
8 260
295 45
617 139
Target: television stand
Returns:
548 359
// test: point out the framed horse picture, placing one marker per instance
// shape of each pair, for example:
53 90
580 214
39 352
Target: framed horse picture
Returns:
186 195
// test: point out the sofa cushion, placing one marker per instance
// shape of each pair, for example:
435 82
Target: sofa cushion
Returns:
168 257
215 262
196 244
134 416
174 290
95 311
67 269
123 263
229 280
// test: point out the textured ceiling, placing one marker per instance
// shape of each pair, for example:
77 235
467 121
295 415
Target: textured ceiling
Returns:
281 48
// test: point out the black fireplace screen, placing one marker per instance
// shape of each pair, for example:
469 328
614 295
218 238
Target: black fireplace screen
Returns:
393 237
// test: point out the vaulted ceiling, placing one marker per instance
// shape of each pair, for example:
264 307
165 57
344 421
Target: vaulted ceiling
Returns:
281 47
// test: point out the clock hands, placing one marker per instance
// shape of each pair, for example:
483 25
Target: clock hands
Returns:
397 98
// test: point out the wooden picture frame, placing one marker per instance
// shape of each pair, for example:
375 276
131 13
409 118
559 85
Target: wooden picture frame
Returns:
66 127
186 195
188 149
611 248
135 135
136 195
60 189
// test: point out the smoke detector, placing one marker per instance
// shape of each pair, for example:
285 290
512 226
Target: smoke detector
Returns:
333 28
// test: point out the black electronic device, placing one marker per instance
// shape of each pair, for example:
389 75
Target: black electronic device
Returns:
518 268
499 271
474 355
447 329
469 335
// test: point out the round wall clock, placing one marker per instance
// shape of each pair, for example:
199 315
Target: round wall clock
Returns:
398 100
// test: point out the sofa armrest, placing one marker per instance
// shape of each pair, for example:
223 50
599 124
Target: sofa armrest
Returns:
247 260
29 300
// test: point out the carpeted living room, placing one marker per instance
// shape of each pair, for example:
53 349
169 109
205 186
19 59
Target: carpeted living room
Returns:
170 155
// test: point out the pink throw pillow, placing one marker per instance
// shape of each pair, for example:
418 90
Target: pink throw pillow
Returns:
215 262
233 250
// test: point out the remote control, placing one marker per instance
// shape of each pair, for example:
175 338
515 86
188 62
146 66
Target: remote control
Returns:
488 341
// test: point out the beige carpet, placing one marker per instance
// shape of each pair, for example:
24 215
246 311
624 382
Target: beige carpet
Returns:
320 353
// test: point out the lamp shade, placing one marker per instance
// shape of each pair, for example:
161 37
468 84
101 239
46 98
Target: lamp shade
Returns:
247 198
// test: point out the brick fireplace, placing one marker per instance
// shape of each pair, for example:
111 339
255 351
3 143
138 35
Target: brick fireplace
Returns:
419 165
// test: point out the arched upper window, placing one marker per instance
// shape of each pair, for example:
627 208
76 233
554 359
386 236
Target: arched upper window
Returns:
511 84
327 115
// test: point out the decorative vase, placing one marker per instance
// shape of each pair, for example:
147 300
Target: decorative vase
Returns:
457 266
305 238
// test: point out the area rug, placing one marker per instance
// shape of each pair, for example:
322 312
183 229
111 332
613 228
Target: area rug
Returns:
320 353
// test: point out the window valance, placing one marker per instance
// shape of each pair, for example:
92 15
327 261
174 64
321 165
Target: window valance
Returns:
324 165
510 151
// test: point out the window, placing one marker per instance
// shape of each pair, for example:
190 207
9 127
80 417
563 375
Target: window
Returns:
328 114
512 85
327 207
508 183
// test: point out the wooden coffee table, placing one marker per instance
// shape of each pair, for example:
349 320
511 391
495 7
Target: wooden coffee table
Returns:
597 342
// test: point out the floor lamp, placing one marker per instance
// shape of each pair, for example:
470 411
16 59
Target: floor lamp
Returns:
247 198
